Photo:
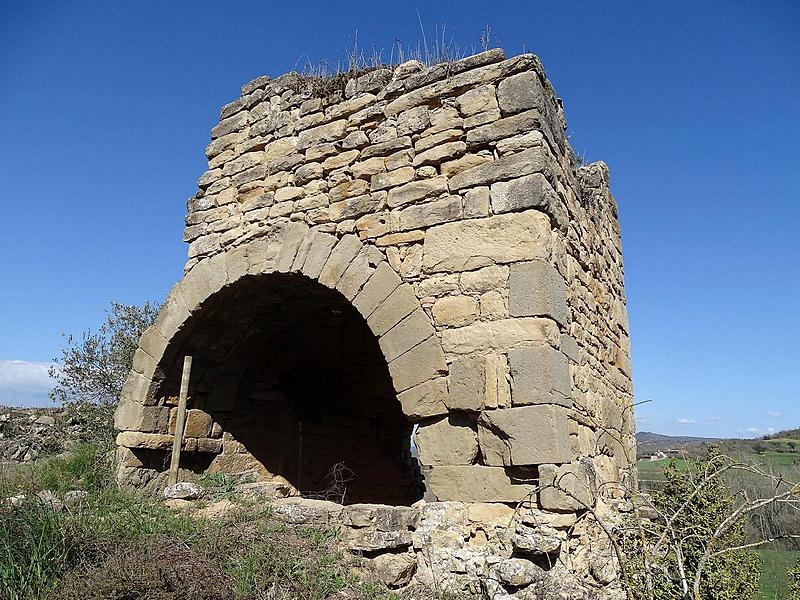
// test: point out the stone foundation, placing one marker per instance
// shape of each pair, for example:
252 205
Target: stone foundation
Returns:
414 252
465 550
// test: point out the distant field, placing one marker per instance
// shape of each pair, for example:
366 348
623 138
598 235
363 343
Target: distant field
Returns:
774 580
778 459
654 469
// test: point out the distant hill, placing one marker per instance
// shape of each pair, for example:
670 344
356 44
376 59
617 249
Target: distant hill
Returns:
649 443
788 434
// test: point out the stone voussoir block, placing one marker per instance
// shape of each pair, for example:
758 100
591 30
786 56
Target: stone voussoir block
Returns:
410 331
423 362
340 258
428 399
397 305
133 416
382 283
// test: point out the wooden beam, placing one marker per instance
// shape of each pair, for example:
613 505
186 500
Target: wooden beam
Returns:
180 421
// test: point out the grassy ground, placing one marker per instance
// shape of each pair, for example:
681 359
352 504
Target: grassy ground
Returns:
113 544
776 563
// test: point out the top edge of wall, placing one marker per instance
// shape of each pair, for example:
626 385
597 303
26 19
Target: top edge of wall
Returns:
385 82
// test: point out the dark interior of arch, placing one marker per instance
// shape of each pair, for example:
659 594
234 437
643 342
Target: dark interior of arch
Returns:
297 382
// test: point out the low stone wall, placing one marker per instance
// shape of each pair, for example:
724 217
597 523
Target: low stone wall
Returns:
27 433
468 550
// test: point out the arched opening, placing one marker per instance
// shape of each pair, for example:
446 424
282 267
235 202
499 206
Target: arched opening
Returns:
298 388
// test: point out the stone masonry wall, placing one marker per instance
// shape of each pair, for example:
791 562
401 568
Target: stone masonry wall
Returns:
441 211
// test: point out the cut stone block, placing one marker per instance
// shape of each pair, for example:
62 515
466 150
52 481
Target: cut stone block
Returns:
137 388
521 92
355 276
451 440
498 390
382 283
293 236
318 253
427 399
412 330
399 304
205 278
455 311
539 375
497 129
527 435
570 347
536 289
416 190
153 343
533 191
499 335
132 416
198 423
341 257
432 213
565 488
467 384
533 160
475 243
419 364
476 483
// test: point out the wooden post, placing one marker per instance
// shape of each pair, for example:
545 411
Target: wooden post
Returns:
180 421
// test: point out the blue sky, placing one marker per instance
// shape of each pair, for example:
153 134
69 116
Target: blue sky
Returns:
107 107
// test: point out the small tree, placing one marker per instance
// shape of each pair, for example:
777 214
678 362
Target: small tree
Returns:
691 539
91 371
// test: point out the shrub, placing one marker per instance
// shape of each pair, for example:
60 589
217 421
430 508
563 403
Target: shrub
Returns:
155 569
794 581
91 371
696 505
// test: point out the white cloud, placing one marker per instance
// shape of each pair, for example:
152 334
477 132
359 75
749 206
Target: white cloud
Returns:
774 413
686 421
752 430
24 383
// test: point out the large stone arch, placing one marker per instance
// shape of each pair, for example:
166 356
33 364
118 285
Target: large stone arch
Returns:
289 256
455 187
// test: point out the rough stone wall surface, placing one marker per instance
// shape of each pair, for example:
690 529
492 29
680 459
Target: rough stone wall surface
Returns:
442 209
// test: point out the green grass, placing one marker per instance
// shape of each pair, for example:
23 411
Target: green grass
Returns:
115 544
85 467
778 459
654 469
774 580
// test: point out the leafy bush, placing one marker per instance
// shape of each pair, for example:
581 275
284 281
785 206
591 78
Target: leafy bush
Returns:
691 506
794 581
91 371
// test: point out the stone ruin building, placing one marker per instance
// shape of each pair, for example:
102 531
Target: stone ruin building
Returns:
413 253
